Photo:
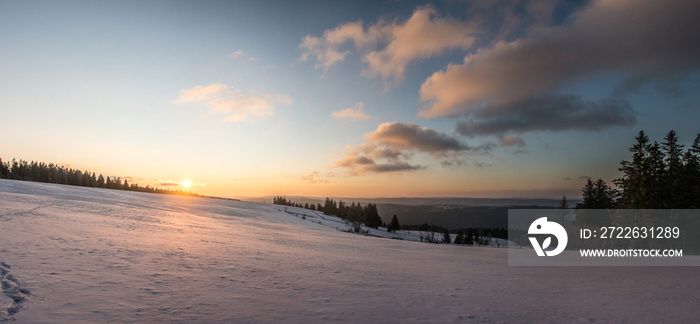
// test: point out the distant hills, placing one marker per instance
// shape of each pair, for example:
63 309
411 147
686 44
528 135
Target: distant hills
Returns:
430 201
450 212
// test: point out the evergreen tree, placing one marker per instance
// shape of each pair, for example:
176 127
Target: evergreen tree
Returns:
4 170
633 180
63 176
653 193
341 212
330 207
673 175
563 204
660 175
92 180
597 195
562 214
460 237
372 218
470 237
588 193
605 196
691 176
446 237
394 225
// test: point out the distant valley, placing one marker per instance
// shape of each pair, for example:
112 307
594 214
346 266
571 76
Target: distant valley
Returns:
450 212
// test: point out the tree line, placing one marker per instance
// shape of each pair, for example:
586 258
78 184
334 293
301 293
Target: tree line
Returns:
659 176
355 213
53 173
465 236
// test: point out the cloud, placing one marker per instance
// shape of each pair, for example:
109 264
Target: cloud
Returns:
516 85
553 113
326 55
315 176
391 146
231 103
359 164
508 19
242 57
354 114
453 162
422 36
201 93
413 137
520 151
512 141
481 165
388 47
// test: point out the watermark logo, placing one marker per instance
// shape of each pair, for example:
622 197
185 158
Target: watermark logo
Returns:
542 226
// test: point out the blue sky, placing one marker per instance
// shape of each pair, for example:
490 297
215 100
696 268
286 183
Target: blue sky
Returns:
397 98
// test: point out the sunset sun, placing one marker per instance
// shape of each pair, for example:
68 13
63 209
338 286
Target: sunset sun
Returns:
186 183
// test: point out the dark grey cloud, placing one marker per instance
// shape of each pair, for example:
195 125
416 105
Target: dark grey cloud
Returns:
449 163
639 41
390 154
391 147
392 167
552 113
414 137
359 163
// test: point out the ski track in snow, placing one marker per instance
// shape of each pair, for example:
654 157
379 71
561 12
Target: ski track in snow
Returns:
13 291
86 255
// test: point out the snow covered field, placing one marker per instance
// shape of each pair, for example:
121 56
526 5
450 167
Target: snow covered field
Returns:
73 254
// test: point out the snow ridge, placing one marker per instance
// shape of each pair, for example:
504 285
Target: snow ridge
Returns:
12 289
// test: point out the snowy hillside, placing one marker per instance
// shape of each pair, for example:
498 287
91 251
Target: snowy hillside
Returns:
339 224
72 254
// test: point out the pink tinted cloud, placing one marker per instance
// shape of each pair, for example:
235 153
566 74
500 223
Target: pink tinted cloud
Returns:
231 103
388 47
354 114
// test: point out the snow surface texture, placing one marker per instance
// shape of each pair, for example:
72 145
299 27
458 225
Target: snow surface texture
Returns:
13 290
72 255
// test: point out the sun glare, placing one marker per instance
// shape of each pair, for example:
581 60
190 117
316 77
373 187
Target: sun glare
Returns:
186 183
